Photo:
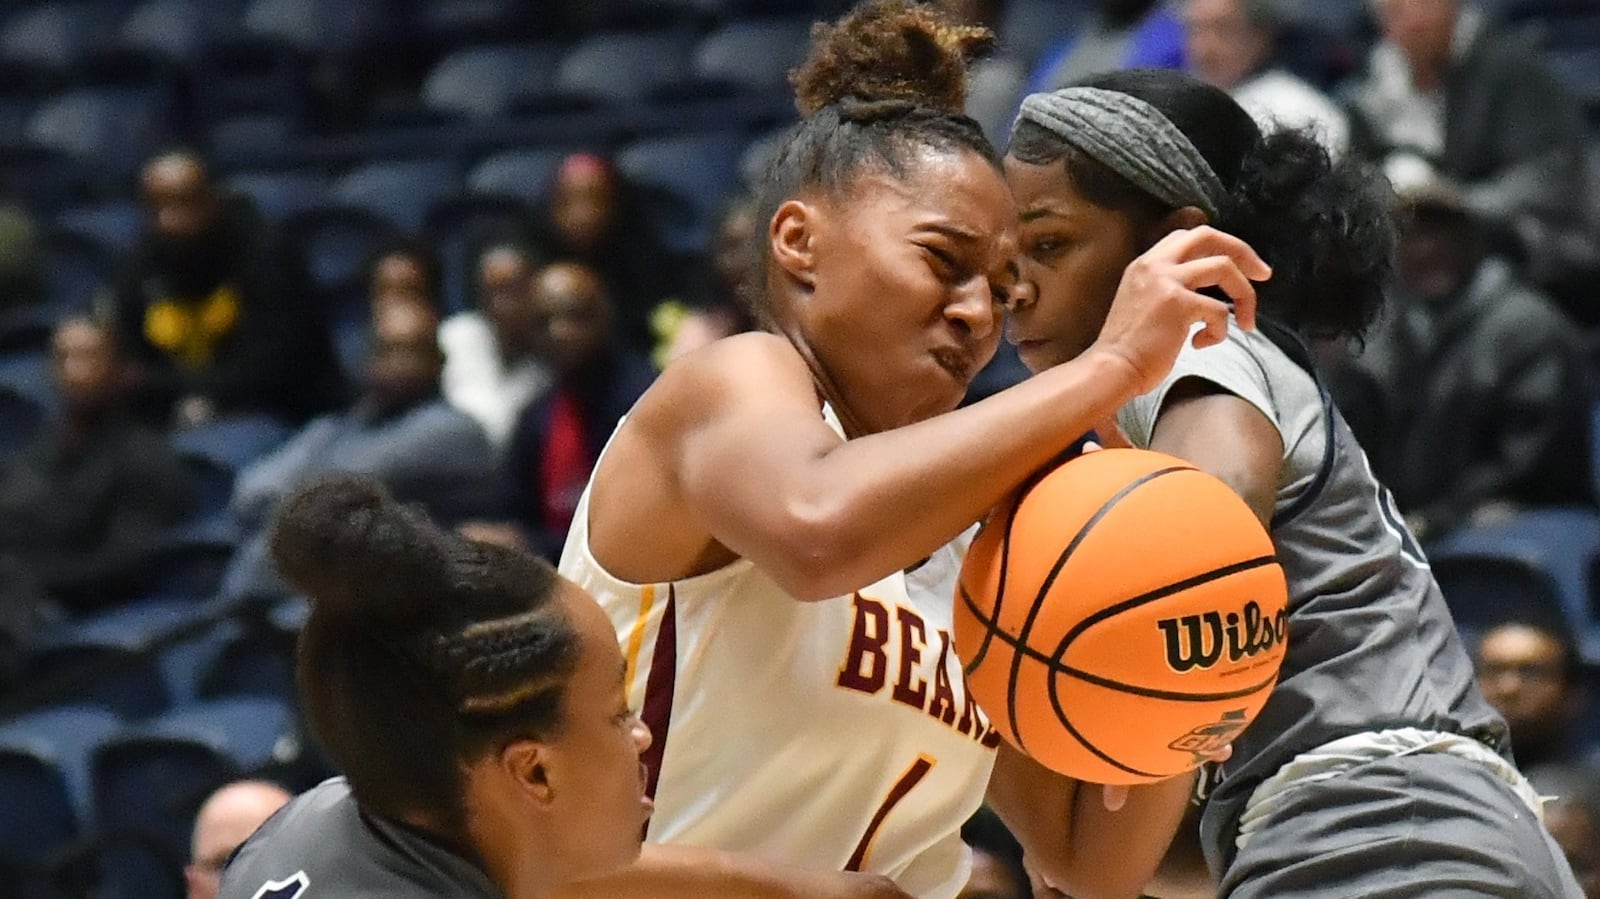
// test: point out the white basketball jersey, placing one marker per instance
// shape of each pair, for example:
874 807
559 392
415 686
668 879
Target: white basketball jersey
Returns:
834 734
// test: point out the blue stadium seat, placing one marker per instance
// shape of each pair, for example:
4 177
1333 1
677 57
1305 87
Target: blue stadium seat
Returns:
1580 70
483 82
623 67
752 55
399 192
115 225
28 374
234 441
1542 556
115 127
458 227
246 133
44 780
178 30
53 36
279 195
524 174
20 417
114 674
320 26
251 662
243 77
337 244
685 178
80 267
454 23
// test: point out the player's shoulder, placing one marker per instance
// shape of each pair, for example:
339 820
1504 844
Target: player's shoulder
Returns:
727 370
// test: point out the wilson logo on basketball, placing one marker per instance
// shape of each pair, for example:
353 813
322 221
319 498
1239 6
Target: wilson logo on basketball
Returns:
1198 641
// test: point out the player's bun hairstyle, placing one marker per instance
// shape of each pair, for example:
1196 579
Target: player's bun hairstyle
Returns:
423 650
886 80
1326 227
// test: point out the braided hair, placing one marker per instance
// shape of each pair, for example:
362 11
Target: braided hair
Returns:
424 651
881 83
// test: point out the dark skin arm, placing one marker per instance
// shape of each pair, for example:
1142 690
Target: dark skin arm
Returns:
1227 437
730 447
1072 836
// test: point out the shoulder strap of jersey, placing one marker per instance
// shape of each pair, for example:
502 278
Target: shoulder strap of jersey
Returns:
1290 343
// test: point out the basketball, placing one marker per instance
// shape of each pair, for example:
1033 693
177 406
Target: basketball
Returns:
1121 617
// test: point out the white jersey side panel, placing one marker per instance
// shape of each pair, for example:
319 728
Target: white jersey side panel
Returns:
834 734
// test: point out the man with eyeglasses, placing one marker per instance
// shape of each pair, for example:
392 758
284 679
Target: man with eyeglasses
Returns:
1530 671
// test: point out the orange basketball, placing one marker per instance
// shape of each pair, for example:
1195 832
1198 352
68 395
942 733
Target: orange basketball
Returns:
1121 617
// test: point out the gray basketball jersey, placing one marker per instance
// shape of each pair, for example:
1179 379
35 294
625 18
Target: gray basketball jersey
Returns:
1371 644
322 844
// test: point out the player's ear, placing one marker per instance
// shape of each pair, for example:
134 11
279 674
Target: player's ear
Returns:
790 239
528 764
1181 219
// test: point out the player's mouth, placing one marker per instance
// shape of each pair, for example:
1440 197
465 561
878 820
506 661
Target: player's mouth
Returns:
959 363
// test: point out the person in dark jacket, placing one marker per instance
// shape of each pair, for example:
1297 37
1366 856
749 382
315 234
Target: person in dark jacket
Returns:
1484 385
218 316
85 502
597 380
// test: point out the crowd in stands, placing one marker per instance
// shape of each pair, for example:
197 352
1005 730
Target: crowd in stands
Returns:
244 243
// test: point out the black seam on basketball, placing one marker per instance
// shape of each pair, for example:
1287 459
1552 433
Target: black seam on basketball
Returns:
1044 589
1153 693
1161 593
1056 667
1061 715
991 625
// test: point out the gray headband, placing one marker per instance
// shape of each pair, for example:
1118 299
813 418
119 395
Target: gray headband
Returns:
1132 138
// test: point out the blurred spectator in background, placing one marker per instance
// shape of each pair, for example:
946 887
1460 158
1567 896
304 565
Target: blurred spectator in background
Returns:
595 217
84 502
1117 34
1484 383
23 287
1530 671
1446 94
1572 814
218 316
405 271
716 307
995 80
997 871
401 432
597 380
1230 44
492 369
228 818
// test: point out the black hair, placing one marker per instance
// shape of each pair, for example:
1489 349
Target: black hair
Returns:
887 79
419 251
1326 227
1551 622
424 651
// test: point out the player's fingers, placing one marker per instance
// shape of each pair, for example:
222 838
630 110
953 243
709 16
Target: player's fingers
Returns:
1213 318
1192 243
1216 271
1114 797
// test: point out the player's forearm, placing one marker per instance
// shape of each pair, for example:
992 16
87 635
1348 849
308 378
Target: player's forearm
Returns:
880 503
684 872
1135 836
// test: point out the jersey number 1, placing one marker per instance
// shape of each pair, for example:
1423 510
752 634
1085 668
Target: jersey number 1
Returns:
912 776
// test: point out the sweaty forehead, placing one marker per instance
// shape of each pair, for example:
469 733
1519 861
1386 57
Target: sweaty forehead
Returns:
940 187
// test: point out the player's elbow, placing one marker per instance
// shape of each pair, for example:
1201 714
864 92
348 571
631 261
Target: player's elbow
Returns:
818 559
